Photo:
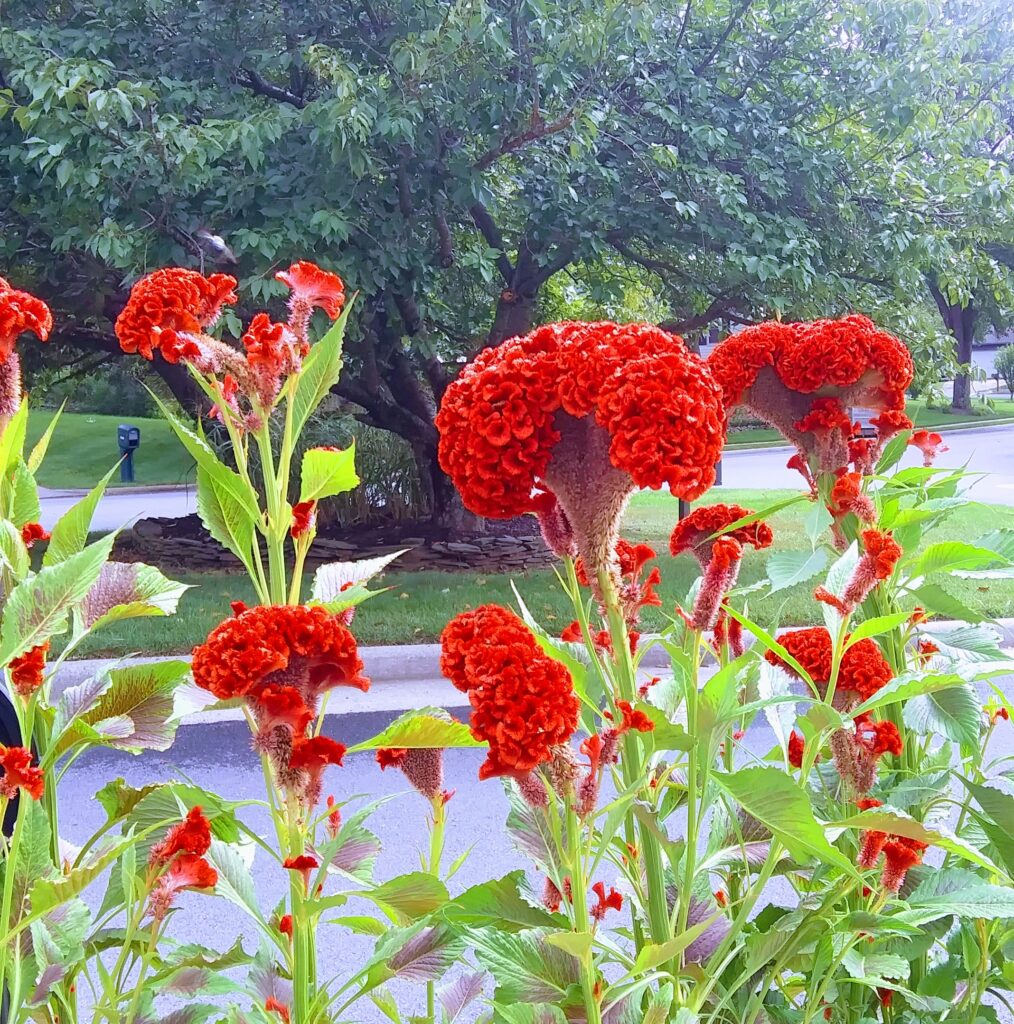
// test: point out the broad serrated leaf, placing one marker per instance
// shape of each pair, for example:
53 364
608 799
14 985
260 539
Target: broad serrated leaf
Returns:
24 502
427 955
325 472
227 520
969 643
47 893
38 608
774 799
787 568
911 684
959 893
425 728
70 533
774 681
235 883
946 555
500 903
128 590
526 969
142 694
13 551
334 580
934 598
456 997
320 372
409 897
41 446
954 712
837 580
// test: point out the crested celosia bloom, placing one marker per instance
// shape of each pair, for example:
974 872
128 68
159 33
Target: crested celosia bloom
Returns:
695 533
32 532
304 518
282 659
20 773
28 671
304 864
21 312
310 287
603 901
273 1005
719 556
192 835
930 443
586 412
272 353
880 555
523 701
900 852
635 593
169 308
422 766
187 871
862 672
796 748
802 378
856 754
847 497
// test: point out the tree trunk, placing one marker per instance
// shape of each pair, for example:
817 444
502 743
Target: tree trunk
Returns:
442 500
513 317
179 381
964 321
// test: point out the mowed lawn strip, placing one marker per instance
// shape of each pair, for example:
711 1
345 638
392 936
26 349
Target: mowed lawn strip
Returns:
417 605
84 448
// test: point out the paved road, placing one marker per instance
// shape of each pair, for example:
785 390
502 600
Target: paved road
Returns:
983 449
120 508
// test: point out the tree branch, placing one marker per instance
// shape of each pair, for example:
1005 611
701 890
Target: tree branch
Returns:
537 129
483 220
259 85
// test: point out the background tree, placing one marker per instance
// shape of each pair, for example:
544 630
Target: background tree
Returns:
706 160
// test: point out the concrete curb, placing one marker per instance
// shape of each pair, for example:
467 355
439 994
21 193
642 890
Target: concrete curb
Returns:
112 488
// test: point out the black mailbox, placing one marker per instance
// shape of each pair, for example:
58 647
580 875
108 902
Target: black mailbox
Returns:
129 439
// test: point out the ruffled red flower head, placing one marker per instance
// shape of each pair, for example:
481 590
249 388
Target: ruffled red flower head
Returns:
167 304
20 312
693 532
192 835
801 377
19 773
28 671
587 411
930 443
523 701
187 871
270 354
278 645
314 286
863 669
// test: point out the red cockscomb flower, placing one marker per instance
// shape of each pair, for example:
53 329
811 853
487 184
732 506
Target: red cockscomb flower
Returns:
167 309
880 555
422 766
311 287
282 707
186 871
588 412
847 496
788 373
304 864
796 749
32 532
19 773
334 818
694 532
28 671
635 720
304 518
930 443
523 701
20 312
309 759
611 901
288 645
900 854
862 672
192 835
271 354
285 926
272 1005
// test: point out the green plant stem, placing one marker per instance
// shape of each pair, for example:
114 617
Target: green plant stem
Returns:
146 959
303 939
582 922
693 766
634 764
11 863
438 827
272 534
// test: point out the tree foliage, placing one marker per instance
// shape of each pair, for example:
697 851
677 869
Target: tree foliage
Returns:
693 160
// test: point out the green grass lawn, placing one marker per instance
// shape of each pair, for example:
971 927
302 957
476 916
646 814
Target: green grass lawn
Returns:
84 448
1002 409
418 604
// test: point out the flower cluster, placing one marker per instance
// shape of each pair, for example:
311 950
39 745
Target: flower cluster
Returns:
880 556
171 311
28 670
523 701
20 312
19 773
900 852
281 659
630 560
422 766
587 412
720 558
862 672
179 859
803 378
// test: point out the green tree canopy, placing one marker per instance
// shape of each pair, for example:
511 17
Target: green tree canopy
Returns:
707 159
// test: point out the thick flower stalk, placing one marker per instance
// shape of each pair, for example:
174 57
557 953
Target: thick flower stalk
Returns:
804 378
585 413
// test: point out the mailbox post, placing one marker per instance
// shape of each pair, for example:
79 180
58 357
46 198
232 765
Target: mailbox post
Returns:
129 439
